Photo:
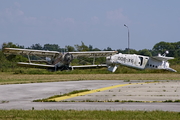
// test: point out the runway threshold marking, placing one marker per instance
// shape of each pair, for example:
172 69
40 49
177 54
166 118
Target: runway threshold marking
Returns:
93 91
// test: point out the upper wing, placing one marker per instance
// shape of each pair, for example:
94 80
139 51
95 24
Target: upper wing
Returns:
94 53
17 51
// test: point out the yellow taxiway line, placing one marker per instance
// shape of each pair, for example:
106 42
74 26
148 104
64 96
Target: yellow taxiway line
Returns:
93 91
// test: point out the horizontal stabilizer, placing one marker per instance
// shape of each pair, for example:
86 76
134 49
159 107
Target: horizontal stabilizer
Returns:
162 58
170 69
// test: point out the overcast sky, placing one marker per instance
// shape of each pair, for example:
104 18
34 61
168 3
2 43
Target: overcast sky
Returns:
99 23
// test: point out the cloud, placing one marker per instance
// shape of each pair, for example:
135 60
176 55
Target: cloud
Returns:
63 22
116 16
15 15
29 20
13 11
95 20
11 14
69 20
17 4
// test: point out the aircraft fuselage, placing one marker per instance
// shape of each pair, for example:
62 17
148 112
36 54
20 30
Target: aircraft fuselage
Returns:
137 61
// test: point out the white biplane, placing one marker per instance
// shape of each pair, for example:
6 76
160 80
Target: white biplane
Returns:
56 60
61 61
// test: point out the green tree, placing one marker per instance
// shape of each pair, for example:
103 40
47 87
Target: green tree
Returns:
36 47
69 48
13 58
96 49
133 51
108 49
161 47
4 64
9 45
177 53
145 52
177 49
90 48
81 47
51 47
176 45
120 51
9 61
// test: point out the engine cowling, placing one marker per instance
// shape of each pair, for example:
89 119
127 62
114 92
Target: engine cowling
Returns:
67 58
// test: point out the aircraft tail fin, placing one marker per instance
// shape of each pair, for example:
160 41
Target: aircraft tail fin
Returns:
112 68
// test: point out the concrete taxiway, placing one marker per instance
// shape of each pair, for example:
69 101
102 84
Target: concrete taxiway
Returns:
20 96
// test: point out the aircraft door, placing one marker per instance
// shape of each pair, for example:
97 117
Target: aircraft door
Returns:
142 61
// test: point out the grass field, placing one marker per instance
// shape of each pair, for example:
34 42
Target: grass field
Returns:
11 78
86 115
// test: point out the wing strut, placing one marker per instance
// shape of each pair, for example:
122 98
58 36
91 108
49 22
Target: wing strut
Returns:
94 60
29 58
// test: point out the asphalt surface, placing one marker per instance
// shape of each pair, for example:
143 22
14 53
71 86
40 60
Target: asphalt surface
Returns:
20 96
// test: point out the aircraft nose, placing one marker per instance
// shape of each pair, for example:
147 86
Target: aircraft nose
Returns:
108 58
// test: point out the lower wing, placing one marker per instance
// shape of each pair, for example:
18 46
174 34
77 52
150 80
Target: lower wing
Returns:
34 65
23 64
89 66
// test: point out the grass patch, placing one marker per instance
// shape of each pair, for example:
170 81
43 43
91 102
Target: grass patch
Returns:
121 101
87 115
55 96
171 101
120 70
11 78
4 101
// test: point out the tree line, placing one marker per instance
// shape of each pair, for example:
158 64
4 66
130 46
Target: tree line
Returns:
161 47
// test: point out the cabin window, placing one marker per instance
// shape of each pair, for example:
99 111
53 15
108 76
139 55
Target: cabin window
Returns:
141 61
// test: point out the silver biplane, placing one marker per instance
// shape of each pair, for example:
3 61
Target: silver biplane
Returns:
56 60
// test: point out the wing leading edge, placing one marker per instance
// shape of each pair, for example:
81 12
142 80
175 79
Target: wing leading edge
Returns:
17 51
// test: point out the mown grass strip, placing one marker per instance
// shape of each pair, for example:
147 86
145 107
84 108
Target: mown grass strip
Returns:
87 115
10 78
